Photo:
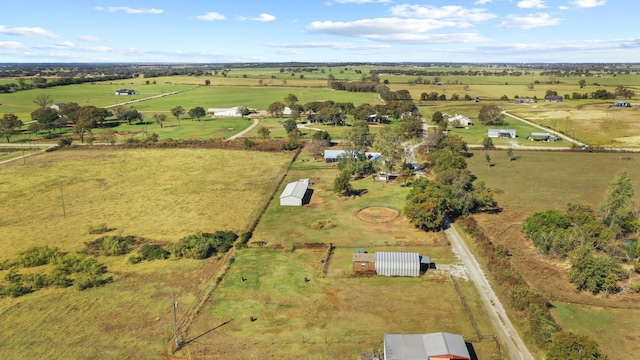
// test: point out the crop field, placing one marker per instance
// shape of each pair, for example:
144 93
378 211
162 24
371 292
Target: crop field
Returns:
538 181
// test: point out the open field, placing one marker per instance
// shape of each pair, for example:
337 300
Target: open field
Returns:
538 181
333 317
157 194
161 195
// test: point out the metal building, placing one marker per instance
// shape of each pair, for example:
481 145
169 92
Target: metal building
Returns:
441 346
397 263
293 194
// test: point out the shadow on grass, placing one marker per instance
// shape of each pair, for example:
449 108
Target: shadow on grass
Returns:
206 332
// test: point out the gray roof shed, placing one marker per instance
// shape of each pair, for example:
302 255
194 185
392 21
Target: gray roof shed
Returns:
294 192
440 345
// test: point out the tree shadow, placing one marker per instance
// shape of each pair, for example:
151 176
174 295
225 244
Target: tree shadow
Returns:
206 332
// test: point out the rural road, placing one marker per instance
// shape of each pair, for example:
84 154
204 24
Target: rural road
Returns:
498 315
255 123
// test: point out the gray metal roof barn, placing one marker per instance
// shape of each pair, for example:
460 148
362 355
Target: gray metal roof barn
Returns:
397 263
439 346
294 193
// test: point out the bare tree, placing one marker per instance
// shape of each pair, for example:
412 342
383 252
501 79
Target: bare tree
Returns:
43 100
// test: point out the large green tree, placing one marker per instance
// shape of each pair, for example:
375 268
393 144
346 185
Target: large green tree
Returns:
197 112
46 117
276 109
388 142
617 210
491 115
8 125
571 346
594 272
177 112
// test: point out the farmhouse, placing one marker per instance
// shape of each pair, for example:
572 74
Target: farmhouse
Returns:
390 263
553 98
57 107
501 133
524 101
433 346
126 92
460 120
375 118
294 193
234 111
335 155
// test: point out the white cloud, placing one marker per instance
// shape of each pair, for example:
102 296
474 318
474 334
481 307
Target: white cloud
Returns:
532 4
27 31
211 16
482 2
11 45
450 12
264 18
371 27
327 44
99 48
65 44
89 38
588 3
129 10
529 21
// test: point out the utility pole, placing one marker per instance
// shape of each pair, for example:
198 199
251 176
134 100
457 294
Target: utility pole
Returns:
175 322
64 211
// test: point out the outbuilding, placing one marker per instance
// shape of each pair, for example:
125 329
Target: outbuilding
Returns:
126 92
433 346
501 133
390 263
294 193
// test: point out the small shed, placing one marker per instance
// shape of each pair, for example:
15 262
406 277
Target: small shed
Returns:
553 98
364 262
501 133
126 92
433 346
389 263
541 136
294 193
622 104
461 120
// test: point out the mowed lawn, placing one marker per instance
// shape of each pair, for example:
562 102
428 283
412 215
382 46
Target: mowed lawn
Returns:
161 195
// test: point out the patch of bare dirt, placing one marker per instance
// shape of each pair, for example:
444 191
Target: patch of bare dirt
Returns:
377 214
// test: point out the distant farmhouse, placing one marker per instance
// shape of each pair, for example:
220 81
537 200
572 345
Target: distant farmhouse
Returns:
501 133
388 263
524 100
126 92
433 346
622 104
553 98
541 136
294 193
57 107
458 120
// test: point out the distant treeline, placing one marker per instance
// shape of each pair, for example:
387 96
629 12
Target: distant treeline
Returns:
40 82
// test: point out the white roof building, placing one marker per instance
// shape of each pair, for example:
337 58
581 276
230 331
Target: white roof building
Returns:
234 111
390 263
441 346
293 194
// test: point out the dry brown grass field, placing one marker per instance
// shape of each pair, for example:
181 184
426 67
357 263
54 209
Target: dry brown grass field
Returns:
161 195
537 181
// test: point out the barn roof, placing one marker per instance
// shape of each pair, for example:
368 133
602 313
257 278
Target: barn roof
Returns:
296 189
364 257
425 346
397 263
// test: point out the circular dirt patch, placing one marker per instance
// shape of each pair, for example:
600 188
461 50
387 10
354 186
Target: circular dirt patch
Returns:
377 214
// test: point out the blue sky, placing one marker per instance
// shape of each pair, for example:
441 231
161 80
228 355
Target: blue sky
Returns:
320 31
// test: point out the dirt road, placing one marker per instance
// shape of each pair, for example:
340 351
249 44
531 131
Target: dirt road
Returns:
503 325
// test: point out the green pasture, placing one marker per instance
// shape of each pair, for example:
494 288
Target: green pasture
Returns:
286 225
616 330
334 317
540 180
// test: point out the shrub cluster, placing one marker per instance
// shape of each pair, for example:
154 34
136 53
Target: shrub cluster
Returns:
111 245
149 253
203 245
63 270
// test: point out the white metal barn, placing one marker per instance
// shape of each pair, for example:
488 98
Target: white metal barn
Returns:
390 263
294 192
441 346
233 112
